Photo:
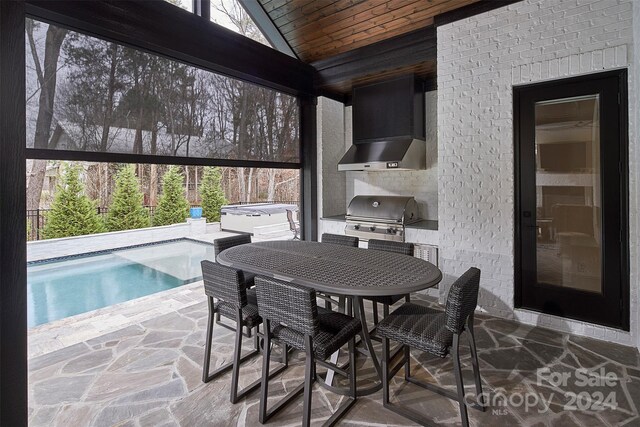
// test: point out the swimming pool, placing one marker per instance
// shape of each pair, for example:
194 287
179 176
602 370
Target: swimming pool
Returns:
63 288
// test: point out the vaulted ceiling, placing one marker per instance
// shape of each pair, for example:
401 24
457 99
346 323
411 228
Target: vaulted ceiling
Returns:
319 29
352 42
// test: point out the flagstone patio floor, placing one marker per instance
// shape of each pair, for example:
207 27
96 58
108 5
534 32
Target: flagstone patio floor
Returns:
148 373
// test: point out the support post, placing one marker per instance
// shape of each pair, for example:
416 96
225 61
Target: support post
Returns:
13 230
309 186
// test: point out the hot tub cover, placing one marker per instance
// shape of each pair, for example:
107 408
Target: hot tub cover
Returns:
255 209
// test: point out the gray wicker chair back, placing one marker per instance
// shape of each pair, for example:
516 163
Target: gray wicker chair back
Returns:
224 283
287 304
338 239
390 246
220 245
462 300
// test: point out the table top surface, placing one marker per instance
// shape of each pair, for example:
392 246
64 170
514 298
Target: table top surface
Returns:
333 268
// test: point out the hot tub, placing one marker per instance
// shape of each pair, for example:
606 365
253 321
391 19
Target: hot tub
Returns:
243 218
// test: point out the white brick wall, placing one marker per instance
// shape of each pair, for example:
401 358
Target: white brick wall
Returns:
423 184
331 183
479 60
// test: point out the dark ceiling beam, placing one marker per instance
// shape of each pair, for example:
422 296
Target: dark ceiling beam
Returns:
267 27
397 52
162 28
410 49
470 10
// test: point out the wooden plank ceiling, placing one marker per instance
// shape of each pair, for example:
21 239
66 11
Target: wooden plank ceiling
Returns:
320 29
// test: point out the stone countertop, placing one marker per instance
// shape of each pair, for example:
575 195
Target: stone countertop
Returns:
424 224
334 218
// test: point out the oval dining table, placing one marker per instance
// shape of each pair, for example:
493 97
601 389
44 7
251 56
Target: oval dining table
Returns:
337 270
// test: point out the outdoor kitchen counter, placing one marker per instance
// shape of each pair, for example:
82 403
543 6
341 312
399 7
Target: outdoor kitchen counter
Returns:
424 224
335 218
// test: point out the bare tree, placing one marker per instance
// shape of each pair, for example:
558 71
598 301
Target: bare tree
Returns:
47 77
258 122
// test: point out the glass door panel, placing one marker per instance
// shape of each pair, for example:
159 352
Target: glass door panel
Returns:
571 249
568 193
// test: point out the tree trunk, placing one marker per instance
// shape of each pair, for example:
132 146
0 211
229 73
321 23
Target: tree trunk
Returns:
92 183
108 108
140 172
249 184
36 181
104 182
197 195
186 183
271 186
242 185
47 78
28 168
153 185
137 142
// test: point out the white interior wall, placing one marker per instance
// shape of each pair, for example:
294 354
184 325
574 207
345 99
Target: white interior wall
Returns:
480 59
330 143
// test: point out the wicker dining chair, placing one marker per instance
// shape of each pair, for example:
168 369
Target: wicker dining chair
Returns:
337 239
291 317
235 302
436 332
387 301
223 243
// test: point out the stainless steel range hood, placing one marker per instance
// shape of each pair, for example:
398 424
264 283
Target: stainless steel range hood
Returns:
388 127
403 154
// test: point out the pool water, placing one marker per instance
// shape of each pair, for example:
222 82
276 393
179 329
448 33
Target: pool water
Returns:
60 289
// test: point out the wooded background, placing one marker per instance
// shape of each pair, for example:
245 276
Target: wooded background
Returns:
87 94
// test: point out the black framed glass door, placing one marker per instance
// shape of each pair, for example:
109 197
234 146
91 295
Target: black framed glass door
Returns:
571 198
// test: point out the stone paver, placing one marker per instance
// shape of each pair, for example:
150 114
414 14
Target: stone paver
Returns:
149 374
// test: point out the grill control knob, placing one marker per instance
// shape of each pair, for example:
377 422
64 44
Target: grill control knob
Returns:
356 227
372 228
391 230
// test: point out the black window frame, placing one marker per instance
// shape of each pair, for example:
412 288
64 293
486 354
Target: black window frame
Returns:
141 25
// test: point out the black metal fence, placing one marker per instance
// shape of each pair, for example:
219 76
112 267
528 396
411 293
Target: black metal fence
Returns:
36 218
284 202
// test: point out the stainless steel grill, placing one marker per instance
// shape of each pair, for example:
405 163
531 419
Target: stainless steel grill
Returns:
380 217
